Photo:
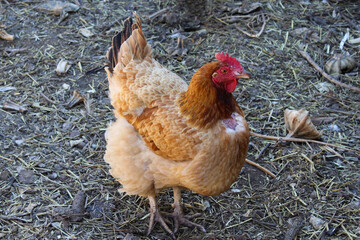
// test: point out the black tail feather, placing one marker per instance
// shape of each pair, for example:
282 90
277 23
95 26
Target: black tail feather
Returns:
117 40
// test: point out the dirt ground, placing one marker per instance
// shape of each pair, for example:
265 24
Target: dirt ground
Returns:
54 183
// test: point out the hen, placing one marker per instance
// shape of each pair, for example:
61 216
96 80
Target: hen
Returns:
168 134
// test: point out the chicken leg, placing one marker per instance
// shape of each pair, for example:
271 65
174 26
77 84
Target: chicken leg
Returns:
155 215
178 214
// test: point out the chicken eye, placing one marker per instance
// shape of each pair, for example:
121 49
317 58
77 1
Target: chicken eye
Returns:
223 71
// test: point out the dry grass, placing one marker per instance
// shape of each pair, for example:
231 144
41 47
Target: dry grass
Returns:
50 152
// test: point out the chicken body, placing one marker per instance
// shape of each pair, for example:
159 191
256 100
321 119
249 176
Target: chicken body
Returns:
168 134
143 172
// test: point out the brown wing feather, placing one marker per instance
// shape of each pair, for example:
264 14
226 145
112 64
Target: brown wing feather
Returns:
166 133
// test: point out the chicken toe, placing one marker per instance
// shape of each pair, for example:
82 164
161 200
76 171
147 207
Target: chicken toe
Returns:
178 215
155 216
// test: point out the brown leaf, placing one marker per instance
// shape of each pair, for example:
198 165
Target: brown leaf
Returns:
4 35
75 99
340 63
299 124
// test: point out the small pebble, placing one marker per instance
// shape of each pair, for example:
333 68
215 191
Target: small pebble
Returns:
206 205
53 176
66 86
19 142
316 222
334 127
58 166
4 175
235 190
74 134
26 176
313 195
66 126
42 165
325 87
78 206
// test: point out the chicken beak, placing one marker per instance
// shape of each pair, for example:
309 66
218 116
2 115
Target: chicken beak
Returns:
242 75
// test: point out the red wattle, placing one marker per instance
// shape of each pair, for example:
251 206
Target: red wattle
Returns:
230 87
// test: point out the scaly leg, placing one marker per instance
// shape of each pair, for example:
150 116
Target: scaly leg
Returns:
155 215
178 214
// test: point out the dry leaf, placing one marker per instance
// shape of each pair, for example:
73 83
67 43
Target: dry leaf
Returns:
75 99
244 9
63 66
8 105
4 35
340 63
30 207
299 124
325 87
86 32
305 33
57 7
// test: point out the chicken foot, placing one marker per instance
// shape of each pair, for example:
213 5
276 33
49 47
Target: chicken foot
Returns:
155 215
178 214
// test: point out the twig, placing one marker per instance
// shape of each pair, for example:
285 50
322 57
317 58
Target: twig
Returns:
266 224
158 13
46 98
16 217
349 21
344 39
327 76
260 167
262 151
5 158
301 140
13 51
259 33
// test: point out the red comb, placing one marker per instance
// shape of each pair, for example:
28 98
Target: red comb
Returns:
224 57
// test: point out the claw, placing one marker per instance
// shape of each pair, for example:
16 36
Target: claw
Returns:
178 214
180 219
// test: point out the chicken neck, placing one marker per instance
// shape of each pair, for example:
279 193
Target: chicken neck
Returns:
204 104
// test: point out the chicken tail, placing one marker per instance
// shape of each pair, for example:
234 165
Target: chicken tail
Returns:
129 44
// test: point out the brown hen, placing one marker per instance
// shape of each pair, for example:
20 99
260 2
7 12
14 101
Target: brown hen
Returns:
168 134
